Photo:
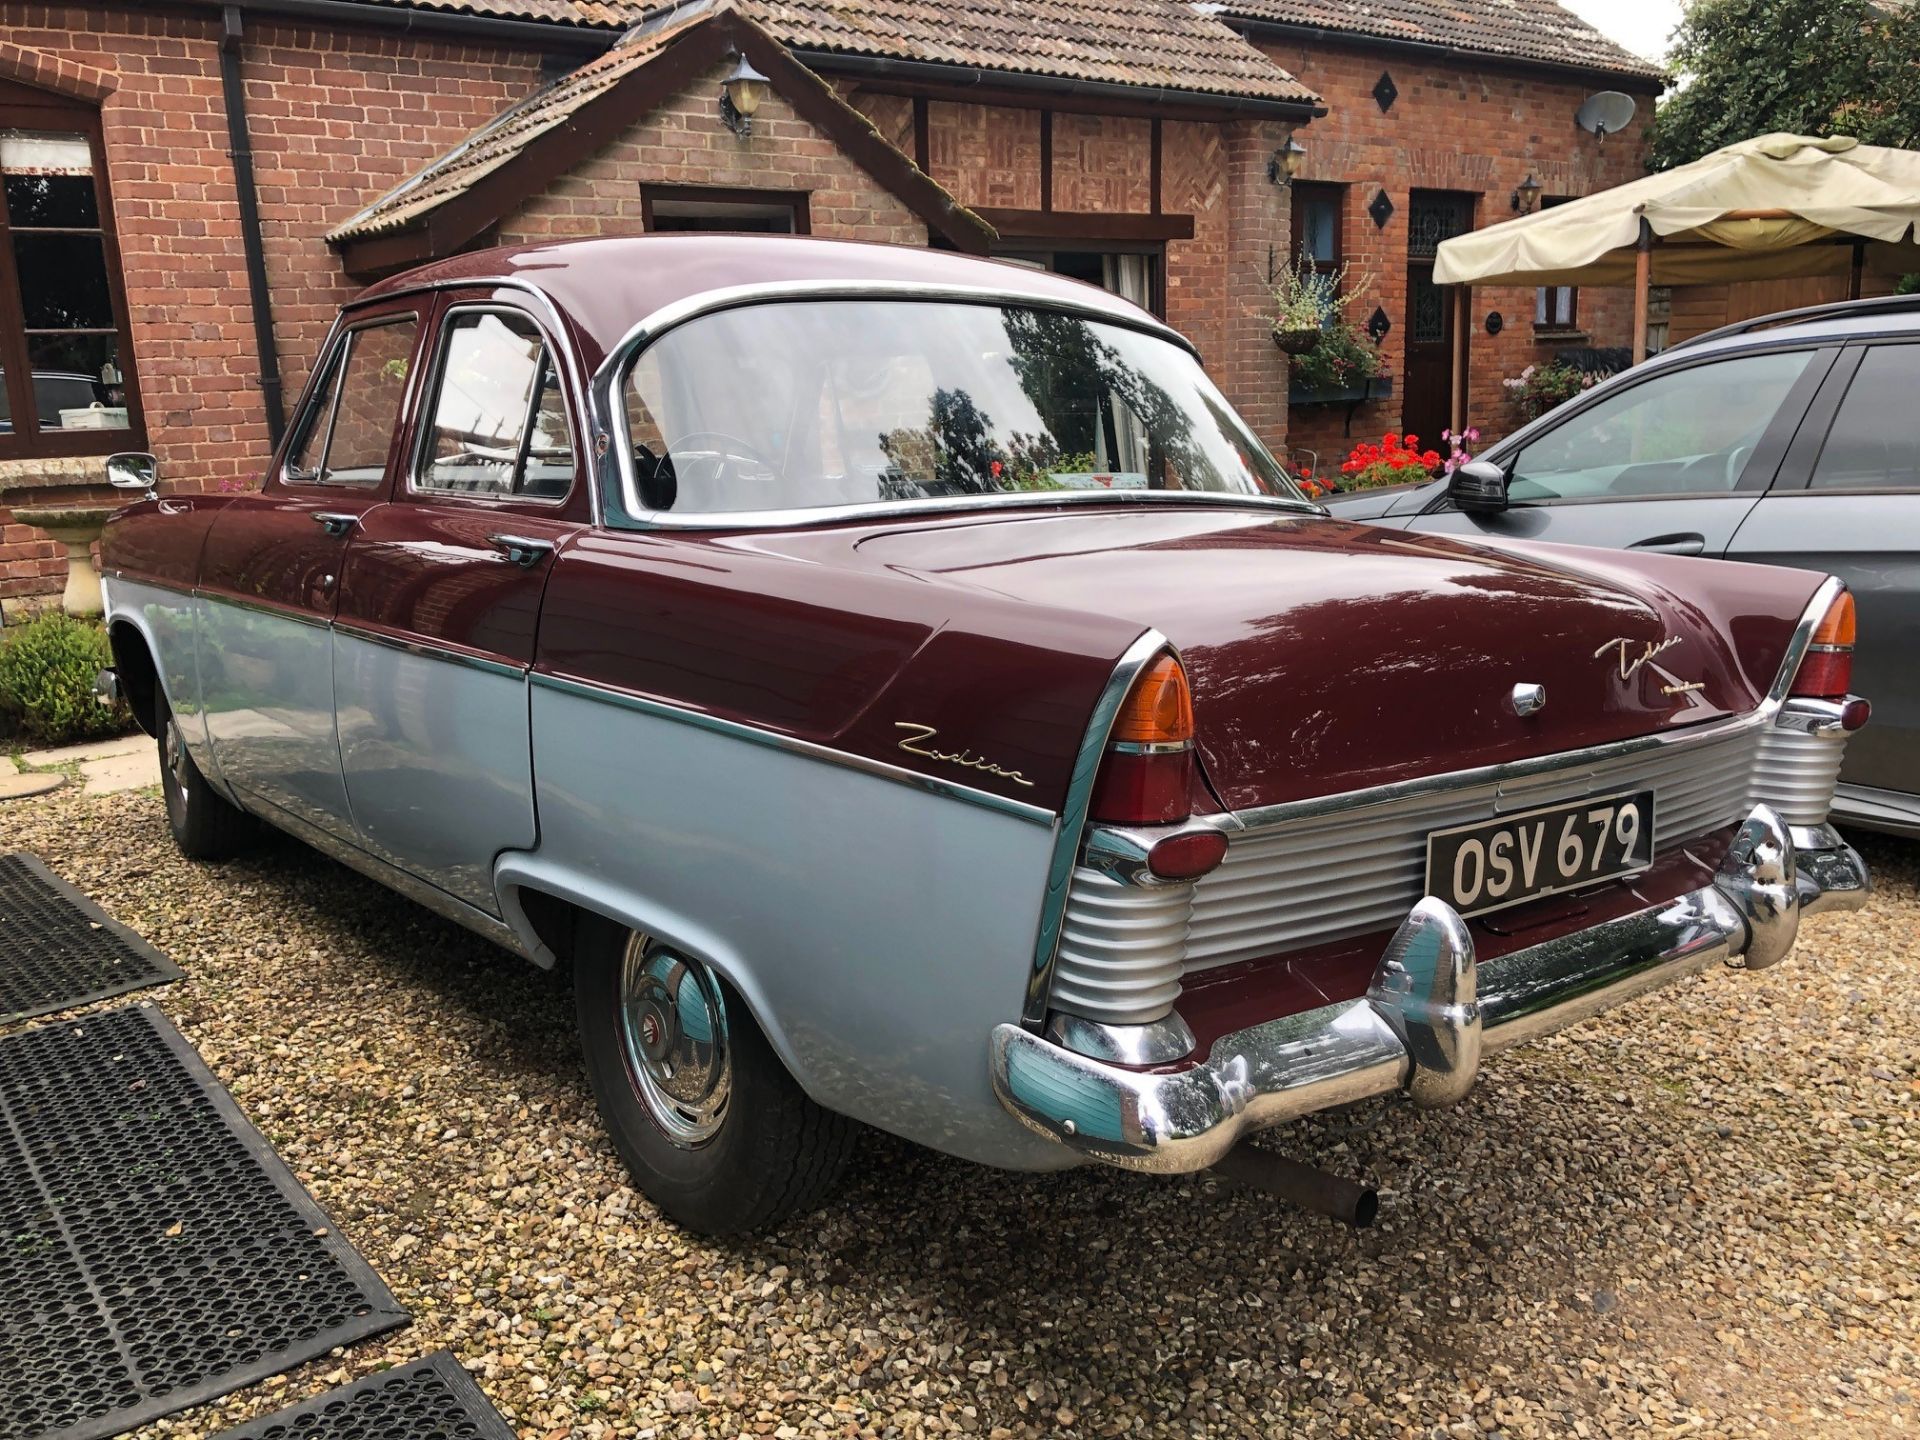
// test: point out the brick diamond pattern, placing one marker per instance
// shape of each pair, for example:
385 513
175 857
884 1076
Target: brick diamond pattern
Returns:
58 949
433 1397
154 1252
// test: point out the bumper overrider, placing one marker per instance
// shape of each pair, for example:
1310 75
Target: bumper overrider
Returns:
1430 1014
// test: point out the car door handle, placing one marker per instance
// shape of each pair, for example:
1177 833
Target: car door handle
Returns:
1673 544
523 550
335 522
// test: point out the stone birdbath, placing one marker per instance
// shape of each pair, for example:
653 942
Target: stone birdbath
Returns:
67 498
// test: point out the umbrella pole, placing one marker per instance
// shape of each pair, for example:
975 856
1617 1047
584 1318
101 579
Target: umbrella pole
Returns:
1856 271
1642 283
1458 407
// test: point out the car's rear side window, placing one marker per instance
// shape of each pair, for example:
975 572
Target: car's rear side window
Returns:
499 423
348 427
1874 443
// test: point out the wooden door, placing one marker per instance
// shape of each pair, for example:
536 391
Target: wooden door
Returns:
1426 409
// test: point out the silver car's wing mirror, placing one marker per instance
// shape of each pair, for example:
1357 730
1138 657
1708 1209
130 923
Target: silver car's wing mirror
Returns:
133 470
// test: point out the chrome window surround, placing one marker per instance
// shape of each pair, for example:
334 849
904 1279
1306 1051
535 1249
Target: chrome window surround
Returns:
436 369
620 491
1108 866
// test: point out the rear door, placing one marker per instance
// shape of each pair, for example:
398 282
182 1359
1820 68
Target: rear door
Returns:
1848 502
1673 463
270 574
438 611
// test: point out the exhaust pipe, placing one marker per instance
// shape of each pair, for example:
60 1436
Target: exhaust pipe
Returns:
1302 1185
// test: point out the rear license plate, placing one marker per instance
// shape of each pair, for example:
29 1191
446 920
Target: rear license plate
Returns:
1516 858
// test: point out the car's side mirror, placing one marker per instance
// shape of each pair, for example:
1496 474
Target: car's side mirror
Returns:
1479 486
133 470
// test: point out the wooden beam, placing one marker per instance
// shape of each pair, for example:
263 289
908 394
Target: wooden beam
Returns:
1642 283
1153 168
1046 160
1084 225
1856 272
922 141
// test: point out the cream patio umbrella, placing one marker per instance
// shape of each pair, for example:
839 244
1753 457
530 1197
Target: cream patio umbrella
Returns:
1769 208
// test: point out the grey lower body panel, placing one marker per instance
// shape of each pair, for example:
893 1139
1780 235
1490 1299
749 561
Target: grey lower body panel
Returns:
877 931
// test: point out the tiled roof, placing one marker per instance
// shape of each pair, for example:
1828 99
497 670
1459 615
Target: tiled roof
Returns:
1537 30
1129 42
509 132
593 14
1161 44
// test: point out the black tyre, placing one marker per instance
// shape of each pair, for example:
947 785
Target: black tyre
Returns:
705 1115
205 825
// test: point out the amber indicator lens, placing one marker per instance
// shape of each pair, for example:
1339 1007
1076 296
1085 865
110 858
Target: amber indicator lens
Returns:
1159 709
1836 627
1826 673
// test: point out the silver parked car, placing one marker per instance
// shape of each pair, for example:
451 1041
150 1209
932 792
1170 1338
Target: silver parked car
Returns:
1792 439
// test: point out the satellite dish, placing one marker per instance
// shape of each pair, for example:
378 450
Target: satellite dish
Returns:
1604 114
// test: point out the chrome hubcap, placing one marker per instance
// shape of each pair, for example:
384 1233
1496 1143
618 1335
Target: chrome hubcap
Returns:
673 1030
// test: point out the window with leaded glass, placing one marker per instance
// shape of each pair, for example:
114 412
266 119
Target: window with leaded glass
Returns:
68 369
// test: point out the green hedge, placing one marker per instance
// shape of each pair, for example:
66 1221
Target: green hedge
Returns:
47 670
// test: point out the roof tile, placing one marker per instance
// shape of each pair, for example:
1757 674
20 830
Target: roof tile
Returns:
1536 30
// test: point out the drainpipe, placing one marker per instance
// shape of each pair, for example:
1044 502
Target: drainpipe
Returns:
240 151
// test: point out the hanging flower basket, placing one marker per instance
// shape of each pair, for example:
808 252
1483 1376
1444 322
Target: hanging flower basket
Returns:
1297 342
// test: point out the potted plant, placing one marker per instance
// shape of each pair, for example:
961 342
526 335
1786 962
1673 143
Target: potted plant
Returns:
1396 460
1304 301
1340 367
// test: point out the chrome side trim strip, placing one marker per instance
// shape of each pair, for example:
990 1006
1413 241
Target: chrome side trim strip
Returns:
432 652
1019 809
1073 819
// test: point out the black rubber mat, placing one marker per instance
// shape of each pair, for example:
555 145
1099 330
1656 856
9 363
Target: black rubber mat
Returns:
58 949
154 1251
431 1399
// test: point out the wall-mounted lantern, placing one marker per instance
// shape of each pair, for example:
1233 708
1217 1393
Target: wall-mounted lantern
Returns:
740 96
1526 196
1285 162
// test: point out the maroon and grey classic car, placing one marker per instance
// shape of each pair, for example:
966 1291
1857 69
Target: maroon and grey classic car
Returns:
906 694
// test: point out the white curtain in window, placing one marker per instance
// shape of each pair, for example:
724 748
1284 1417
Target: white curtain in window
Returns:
39 152
1129 277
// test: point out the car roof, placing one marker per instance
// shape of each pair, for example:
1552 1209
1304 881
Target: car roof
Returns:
604 287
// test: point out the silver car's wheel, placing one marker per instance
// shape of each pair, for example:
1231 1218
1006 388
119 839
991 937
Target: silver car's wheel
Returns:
673 1034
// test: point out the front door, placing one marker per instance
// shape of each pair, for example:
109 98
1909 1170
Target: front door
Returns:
436 623
270 577
1427 409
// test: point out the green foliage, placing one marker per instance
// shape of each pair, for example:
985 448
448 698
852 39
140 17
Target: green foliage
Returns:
1345 357
47 670
1908 285
1811 67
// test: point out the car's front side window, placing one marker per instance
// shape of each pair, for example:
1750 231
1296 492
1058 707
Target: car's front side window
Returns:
1685 432
499 423
348 427
810 404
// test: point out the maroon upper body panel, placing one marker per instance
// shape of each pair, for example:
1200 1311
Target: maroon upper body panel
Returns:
1324 657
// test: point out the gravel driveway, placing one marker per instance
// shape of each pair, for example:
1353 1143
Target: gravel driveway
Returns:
1700 1215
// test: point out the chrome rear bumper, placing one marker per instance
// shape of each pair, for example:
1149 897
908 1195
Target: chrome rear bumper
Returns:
1430 1014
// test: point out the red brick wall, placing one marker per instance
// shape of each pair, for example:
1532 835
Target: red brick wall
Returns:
337 118
683 143
1462 128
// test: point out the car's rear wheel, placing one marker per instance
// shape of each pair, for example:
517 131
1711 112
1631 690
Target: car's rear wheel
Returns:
706 1117
205 825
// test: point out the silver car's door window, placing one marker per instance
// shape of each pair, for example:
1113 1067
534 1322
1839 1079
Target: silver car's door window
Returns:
1684 432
